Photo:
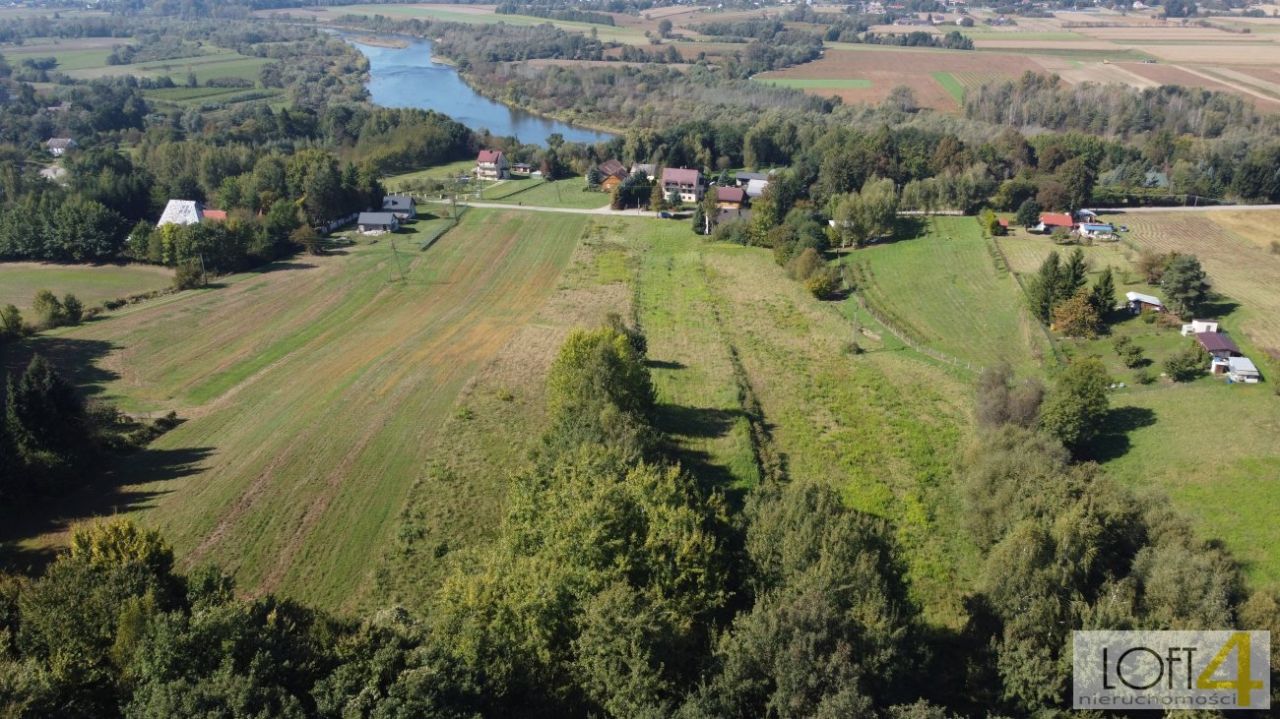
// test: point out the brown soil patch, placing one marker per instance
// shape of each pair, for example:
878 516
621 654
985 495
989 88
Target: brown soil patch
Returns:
889 68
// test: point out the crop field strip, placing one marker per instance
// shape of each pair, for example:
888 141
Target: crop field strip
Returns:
335 399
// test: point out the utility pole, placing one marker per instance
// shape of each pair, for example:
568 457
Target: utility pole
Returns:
396 256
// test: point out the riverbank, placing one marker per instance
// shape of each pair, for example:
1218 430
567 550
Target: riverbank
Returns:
396 43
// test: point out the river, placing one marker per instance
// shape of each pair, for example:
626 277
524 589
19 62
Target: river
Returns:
409 77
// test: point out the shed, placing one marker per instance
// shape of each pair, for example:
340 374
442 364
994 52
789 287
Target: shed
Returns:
1218 344
370 223
650 170
1138 302
1197 326
743 178
57 146
755 188
612 168
1241 369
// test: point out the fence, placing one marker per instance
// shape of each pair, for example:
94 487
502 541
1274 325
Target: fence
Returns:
992 244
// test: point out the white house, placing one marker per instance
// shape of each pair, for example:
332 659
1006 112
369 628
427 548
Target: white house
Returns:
492 165
1198 326
58 146
181 212
1241 369
684 182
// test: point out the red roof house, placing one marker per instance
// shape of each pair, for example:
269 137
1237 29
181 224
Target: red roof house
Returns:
1056 219
215 215
730 197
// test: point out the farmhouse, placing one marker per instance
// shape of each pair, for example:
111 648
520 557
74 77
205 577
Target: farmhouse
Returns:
402 206
650 170
684 182
730 198
1198 326
375 223
58 146
1051 221
1138 302
492 165
1241 369
612 173
1096 231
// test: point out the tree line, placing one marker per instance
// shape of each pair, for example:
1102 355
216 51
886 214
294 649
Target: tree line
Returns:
621 584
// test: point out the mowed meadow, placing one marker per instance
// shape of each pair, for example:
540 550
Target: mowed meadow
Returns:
313 393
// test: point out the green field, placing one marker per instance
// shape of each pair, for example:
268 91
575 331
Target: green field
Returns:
801 83
572 192
944 290
951 85
19 281
313 393
216 64
69 59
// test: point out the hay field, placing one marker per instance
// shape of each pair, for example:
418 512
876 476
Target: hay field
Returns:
1234 252
91 284
313 393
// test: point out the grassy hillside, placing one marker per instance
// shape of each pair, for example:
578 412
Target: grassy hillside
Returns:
313 393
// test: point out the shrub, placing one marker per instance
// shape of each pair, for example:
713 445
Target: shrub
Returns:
1187 365
1144 375
805 265
48 310
823 283
72 309
188 276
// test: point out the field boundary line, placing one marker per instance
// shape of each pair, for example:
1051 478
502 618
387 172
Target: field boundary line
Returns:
992 243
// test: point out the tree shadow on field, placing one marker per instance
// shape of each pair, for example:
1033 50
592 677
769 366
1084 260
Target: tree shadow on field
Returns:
1113 442
1217 306
702 423
663 364
76 359
115 491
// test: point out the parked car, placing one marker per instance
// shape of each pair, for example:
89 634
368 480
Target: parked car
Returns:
664 215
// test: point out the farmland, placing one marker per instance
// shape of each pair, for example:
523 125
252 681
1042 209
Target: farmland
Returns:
309 421
19 281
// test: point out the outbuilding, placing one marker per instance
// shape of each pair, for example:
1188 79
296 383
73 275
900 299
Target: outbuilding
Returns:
1195 327
1241 369
1139 302
372 223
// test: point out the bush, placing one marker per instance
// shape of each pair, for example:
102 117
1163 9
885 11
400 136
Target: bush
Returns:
823 283
48 311
72 310
188 276
1187 365
805 265
1144 376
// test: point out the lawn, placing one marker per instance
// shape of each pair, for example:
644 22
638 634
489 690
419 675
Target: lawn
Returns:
572 192
19 281
438 172
314 394
1211 448
69 59
944 289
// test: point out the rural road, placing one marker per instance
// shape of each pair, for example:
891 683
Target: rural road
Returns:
1183 208
606 210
